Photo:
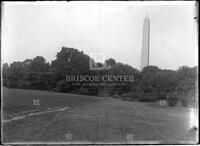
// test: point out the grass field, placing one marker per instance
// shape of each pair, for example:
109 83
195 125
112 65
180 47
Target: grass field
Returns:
16 101
91 119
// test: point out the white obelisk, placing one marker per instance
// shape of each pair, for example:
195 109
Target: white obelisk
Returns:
145 43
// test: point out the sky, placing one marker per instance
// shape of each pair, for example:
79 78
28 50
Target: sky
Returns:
111 29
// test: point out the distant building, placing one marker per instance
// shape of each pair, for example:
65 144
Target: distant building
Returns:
145 43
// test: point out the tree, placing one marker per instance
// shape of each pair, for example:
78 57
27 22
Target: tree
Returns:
69 61
150 68
110 62
5 69
39 64
157 82
121 69
186 89
15 73
147 78
151 84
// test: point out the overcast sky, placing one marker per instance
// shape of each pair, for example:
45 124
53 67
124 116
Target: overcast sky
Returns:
111 28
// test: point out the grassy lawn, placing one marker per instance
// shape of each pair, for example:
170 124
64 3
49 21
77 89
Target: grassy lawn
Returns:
17 101
93 120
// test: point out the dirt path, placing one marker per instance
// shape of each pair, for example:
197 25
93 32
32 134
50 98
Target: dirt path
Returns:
35 114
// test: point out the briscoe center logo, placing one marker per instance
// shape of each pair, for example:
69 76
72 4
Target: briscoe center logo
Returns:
98 78
98 58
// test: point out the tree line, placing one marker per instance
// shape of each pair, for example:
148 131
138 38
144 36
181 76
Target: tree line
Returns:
151 84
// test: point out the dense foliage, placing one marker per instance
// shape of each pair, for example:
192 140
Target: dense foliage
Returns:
150 84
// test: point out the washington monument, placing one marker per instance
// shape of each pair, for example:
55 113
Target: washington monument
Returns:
145 43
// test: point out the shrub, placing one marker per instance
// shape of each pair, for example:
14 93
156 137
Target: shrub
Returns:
61 86
55 89
39 85
172 101
24 85
184 102
12 84
172 98
131 96
116 96
147 97
4 83
83 91
73 92
92 91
